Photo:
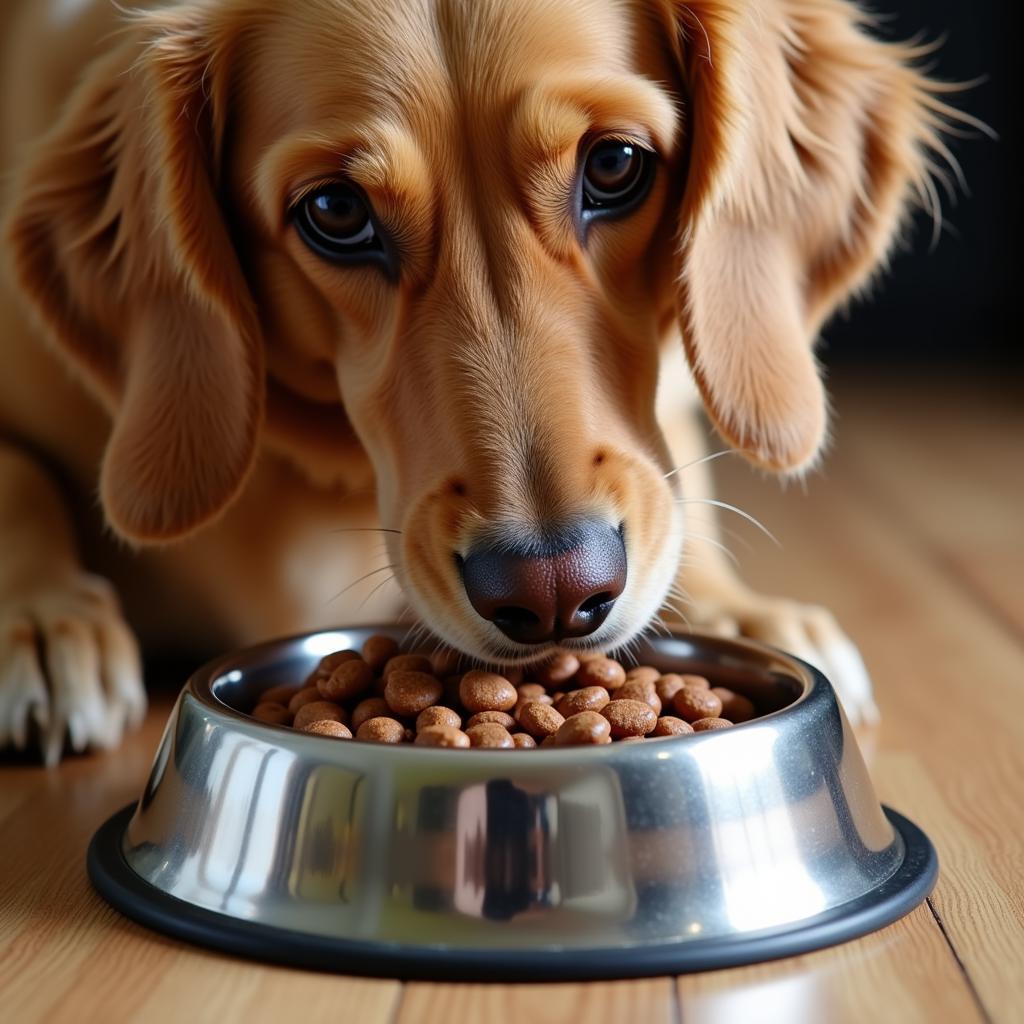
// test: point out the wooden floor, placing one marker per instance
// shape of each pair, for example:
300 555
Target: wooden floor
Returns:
914 535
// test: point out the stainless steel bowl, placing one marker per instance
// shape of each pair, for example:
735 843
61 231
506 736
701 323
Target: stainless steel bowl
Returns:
709 850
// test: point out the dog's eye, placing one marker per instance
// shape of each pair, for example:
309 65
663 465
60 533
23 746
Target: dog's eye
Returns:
337 223
616 177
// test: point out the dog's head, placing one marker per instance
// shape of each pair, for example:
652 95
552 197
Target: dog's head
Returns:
476 224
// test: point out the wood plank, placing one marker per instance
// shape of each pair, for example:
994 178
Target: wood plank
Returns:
904 973
48 913
950 463
206 987
969 898
596 1002
947 675
66 956
321 997
911 536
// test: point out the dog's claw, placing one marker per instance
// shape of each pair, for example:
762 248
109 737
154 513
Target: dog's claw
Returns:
69 669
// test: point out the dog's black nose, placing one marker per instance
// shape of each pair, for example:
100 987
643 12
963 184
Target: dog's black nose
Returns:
562 586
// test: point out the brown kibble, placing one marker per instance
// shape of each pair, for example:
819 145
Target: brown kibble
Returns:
378 650
700 682
318 711
531 691
693 703
590 698
279 694
667 686
640 690
558 669
348 680
327 727
629 717
272 713
576 698
544 698
643 674
487 691
540 720
588 727
381 730
438 715
503 718
735 707
328 664
406 663
600 672
670 726
442 736
307 695
409 692
490 734
371 707
707 724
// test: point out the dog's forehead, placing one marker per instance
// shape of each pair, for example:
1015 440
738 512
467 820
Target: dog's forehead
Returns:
321 60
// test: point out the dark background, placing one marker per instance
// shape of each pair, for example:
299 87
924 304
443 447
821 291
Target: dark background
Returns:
947 304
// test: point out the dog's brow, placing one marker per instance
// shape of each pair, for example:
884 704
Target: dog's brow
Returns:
381 157
552 116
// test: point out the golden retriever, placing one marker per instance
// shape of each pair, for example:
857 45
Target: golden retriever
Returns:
279 270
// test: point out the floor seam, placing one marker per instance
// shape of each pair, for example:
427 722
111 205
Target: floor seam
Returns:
677 1003
396 1006
968 980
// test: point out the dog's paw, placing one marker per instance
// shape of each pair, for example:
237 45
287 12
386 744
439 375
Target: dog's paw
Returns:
69 666
806 630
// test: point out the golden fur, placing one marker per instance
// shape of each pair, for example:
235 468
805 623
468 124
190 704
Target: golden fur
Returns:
238 398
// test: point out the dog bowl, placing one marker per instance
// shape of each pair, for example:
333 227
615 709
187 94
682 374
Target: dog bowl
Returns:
686 853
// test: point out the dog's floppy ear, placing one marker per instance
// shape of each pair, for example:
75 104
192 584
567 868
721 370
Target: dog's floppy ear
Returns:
807 138
119 242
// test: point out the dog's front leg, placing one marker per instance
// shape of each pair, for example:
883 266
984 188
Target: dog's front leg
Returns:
711 597
68 662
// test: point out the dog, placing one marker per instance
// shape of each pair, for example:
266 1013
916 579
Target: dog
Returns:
278 275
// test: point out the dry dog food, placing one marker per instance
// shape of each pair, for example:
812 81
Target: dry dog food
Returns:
384 695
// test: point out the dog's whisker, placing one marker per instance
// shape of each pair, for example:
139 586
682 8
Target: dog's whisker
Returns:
416 634
732 508
657 626
720 527
699 462
717 544
366 600
682 615
364 529
626 651
373 572
681 593
412 633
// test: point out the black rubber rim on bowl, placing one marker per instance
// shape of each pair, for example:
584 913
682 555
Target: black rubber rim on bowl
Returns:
134 897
